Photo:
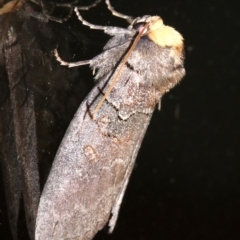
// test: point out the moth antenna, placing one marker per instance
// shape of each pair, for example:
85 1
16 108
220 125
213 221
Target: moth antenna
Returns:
118 14
70 64
119 70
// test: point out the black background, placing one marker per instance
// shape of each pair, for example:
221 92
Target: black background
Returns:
185 184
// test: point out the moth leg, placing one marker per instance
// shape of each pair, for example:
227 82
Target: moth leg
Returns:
112 31
118 14
70 64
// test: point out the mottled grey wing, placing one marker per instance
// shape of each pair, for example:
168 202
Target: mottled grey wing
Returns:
92 166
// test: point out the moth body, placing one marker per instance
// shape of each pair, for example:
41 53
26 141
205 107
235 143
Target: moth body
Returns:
96 157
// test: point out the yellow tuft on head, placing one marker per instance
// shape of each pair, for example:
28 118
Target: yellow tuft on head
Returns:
163 35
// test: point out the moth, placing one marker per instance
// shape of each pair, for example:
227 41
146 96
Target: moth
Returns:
93 164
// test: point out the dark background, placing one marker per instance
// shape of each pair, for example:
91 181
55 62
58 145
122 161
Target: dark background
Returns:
185 184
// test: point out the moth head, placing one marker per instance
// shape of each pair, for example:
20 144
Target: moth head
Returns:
160 34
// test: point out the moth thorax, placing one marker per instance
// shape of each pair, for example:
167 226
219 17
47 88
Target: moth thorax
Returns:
164 36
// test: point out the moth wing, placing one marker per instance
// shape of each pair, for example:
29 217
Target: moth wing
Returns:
90 173
117 204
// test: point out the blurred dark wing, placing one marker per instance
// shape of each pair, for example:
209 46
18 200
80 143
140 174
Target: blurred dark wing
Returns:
18 128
